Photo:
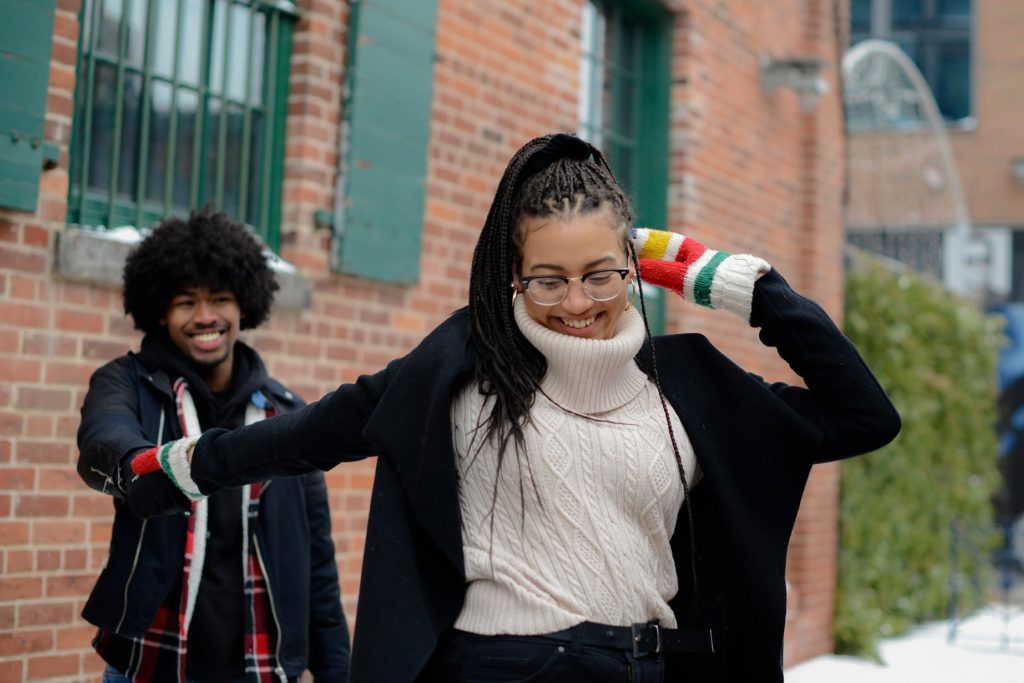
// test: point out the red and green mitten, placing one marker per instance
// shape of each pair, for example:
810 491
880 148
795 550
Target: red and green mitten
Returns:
715 279
172 458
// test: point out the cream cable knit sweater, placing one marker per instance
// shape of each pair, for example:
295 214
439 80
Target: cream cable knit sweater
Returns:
601 497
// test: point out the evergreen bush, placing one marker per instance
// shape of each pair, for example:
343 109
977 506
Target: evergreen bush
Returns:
936 356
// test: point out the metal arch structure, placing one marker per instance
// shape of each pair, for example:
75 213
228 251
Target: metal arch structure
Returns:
905 197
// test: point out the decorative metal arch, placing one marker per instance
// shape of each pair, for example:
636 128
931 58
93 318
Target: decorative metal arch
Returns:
905 198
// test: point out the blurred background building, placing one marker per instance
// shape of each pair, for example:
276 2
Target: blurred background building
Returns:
970 53
363 141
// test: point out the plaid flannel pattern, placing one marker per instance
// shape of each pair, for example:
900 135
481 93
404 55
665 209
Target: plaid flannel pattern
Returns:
159 655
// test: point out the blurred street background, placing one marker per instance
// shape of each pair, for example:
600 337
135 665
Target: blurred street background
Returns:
871 150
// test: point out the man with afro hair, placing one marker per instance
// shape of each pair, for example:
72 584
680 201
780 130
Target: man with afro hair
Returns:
239 587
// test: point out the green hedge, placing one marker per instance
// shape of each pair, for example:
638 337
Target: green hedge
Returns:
936 357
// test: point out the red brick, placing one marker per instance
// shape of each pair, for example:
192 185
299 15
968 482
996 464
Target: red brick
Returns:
8 341
31 451
76 559
44 614
68 373
58 479
35 236
20 561
78 321
72 6
65 23
12 670
23 261
13 533
17 478
34 398
52 666
67 426
100 532
75 637
41 506
47 532
64 54
69 585
101 350
8 230
92 504
49 345
7 616
39 426
20 370
48 560
20 287
20 588
11 424
24 315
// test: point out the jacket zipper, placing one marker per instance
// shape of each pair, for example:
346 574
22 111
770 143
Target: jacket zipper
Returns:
131 574
273 610
142 533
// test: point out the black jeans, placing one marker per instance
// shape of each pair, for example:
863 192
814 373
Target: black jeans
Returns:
468 658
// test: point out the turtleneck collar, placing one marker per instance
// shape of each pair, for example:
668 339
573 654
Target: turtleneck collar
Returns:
588 376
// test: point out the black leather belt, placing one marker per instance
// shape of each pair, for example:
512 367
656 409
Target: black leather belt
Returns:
640 639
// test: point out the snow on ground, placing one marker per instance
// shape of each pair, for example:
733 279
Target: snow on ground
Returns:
989 648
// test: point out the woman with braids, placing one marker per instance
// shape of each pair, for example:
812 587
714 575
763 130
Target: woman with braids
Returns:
558 496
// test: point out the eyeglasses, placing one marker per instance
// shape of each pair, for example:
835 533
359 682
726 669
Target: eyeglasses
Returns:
551 290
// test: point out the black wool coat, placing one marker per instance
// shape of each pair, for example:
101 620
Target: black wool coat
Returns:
755 441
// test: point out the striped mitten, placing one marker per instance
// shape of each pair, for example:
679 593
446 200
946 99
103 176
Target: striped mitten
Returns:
172 458
716 279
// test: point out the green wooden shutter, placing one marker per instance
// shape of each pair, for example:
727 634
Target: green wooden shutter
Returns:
26 38
379 218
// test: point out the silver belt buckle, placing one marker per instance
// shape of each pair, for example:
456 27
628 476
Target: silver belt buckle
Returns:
633 629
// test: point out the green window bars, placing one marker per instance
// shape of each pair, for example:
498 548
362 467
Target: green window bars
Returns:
180 103
625 75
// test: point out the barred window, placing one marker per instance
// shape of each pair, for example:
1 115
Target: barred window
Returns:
180 104
625 76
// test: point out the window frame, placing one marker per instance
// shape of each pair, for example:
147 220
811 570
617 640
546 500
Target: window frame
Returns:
649 104
938 31
92 208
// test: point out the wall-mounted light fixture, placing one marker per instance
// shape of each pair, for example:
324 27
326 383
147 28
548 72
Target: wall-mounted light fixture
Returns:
1017 165
802 74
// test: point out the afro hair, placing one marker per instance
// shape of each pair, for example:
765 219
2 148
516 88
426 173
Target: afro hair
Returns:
207 250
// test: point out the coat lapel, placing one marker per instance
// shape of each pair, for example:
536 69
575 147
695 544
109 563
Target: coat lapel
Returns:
412 427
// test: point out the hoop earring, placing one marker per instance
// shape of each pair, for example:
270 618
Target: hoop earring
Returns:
515 292
632 297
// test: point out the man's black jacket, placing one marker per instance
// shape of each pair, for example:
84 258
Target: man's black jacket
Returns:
127 402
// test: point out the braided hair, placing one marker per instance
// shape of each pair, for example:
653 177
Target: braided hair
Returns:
554 175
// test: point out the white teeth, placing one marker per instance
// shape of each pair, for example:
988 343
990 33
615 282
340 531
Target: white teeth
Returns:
207 337
579 324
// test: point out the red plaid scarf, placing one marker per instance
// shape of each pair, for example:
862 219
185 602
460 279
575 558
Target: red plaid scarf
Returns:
159 655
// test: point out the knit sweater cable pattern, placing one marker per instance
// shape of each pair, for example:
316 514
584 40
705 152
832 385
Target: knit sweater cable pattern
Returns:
601 491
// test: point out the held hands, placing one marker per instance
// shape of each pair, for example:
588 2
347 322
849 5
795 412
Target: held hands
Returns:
715 279
173 459
151 495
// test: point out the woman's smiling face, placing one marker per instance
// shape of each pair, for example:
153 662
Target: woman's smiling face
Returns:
574 246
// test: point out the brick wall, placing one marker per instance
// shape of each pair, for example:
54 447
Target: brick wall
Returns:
748 172
752 172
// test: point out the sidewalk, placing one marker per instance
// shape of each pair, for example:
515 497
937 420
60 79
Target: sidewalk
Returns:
978 655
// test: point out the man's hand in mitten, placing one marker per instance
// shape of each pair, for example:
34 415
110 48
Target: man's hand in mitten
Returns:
151 495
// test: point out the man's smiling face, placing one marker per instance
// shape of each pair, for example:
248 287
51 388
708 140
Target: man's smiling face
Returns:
204 324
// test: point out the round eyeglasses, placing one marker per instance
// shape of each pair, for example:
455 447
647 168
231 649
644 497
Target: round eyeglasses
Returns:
551 290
